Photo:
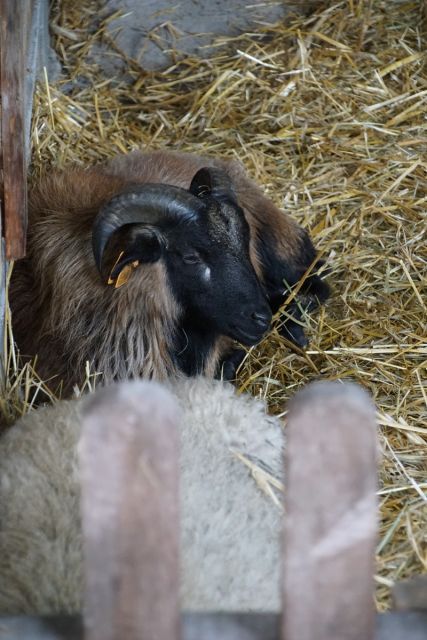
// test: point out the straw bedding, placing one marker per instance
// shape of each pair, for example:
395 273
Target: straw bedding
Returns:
328 113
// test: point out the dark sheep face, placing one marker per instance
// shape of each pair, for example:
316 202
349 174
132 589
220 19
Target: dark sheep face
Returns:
208 268
202 237
212 277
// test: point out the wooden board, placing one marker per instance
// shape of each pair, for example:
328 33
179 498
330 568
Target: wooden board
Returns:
14 20
130 480
331 514
209 626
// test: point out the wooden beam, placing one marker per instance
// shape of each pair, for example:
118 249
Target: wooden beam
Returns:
396 625
130 478
411 594
13 17
209 626
41 628
331 514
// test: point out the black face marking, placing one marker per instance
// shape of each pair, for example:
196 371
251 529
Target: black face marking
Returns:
214 282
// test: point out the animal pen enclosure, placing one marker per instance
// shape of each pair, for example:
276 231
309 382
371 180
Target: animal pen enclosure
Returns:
328 113
131 528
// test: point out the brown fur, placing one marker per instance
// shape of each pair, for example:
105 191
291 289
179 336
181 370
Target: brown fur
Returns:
64 313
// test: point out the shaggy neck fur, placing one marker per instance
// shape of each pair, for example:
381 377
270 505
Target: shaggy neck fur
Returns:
120 344
122 333
194 347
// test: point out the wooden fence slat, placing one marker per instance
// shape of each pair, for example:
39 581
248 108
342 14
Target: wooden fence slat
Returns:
3 280
130 477
13 17
210 626
331 513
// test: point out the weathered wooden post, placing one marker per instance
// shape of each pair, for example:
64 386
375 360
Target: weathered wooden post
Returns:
130 476
331 515
13 22
24 51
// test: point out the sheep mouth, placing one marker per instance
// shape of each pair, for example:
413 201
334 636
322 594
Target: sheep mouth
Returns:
248 337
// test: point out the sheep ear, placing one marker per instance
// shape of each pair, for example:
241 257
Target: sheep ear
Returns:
145 247
213 182
201 184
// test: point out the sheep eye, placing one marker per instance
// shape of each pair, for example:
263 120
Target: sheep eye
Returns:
191 258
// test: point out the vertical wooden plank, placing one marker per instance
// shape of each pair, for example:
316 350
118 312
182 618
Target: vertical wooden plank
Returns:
3 296
331 513
130 475
12 50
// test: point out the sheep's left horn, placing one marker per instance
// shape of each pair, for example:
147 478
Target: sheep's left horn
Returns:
213 182
157 205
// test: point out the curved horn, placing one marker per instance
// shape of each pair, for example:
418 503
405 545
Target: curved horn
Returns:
210 181
151 204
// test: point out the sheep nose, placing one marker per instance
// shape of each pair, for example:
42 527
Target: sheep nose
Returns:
261 319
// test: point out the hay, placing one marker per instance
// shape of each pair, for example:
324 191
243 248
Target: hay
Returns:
328 113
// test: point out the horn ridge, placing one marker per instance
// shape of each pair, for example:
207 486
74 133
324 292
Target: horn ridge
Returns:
151 204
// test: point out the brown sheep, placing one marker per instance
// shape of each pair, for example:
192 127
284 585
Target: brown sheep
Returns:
204 257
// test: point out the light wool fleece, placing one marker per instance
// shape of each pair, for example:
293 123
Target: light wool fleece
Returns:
230 529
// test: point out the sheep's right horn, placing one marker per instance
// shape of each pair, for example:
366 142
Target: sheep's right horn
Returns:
157 205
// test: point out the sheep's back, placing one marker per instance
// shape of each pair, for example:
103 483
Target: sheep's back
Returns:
230 529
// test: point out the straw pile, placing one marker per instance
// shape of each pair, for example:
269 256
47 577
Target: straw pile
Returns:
328 113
